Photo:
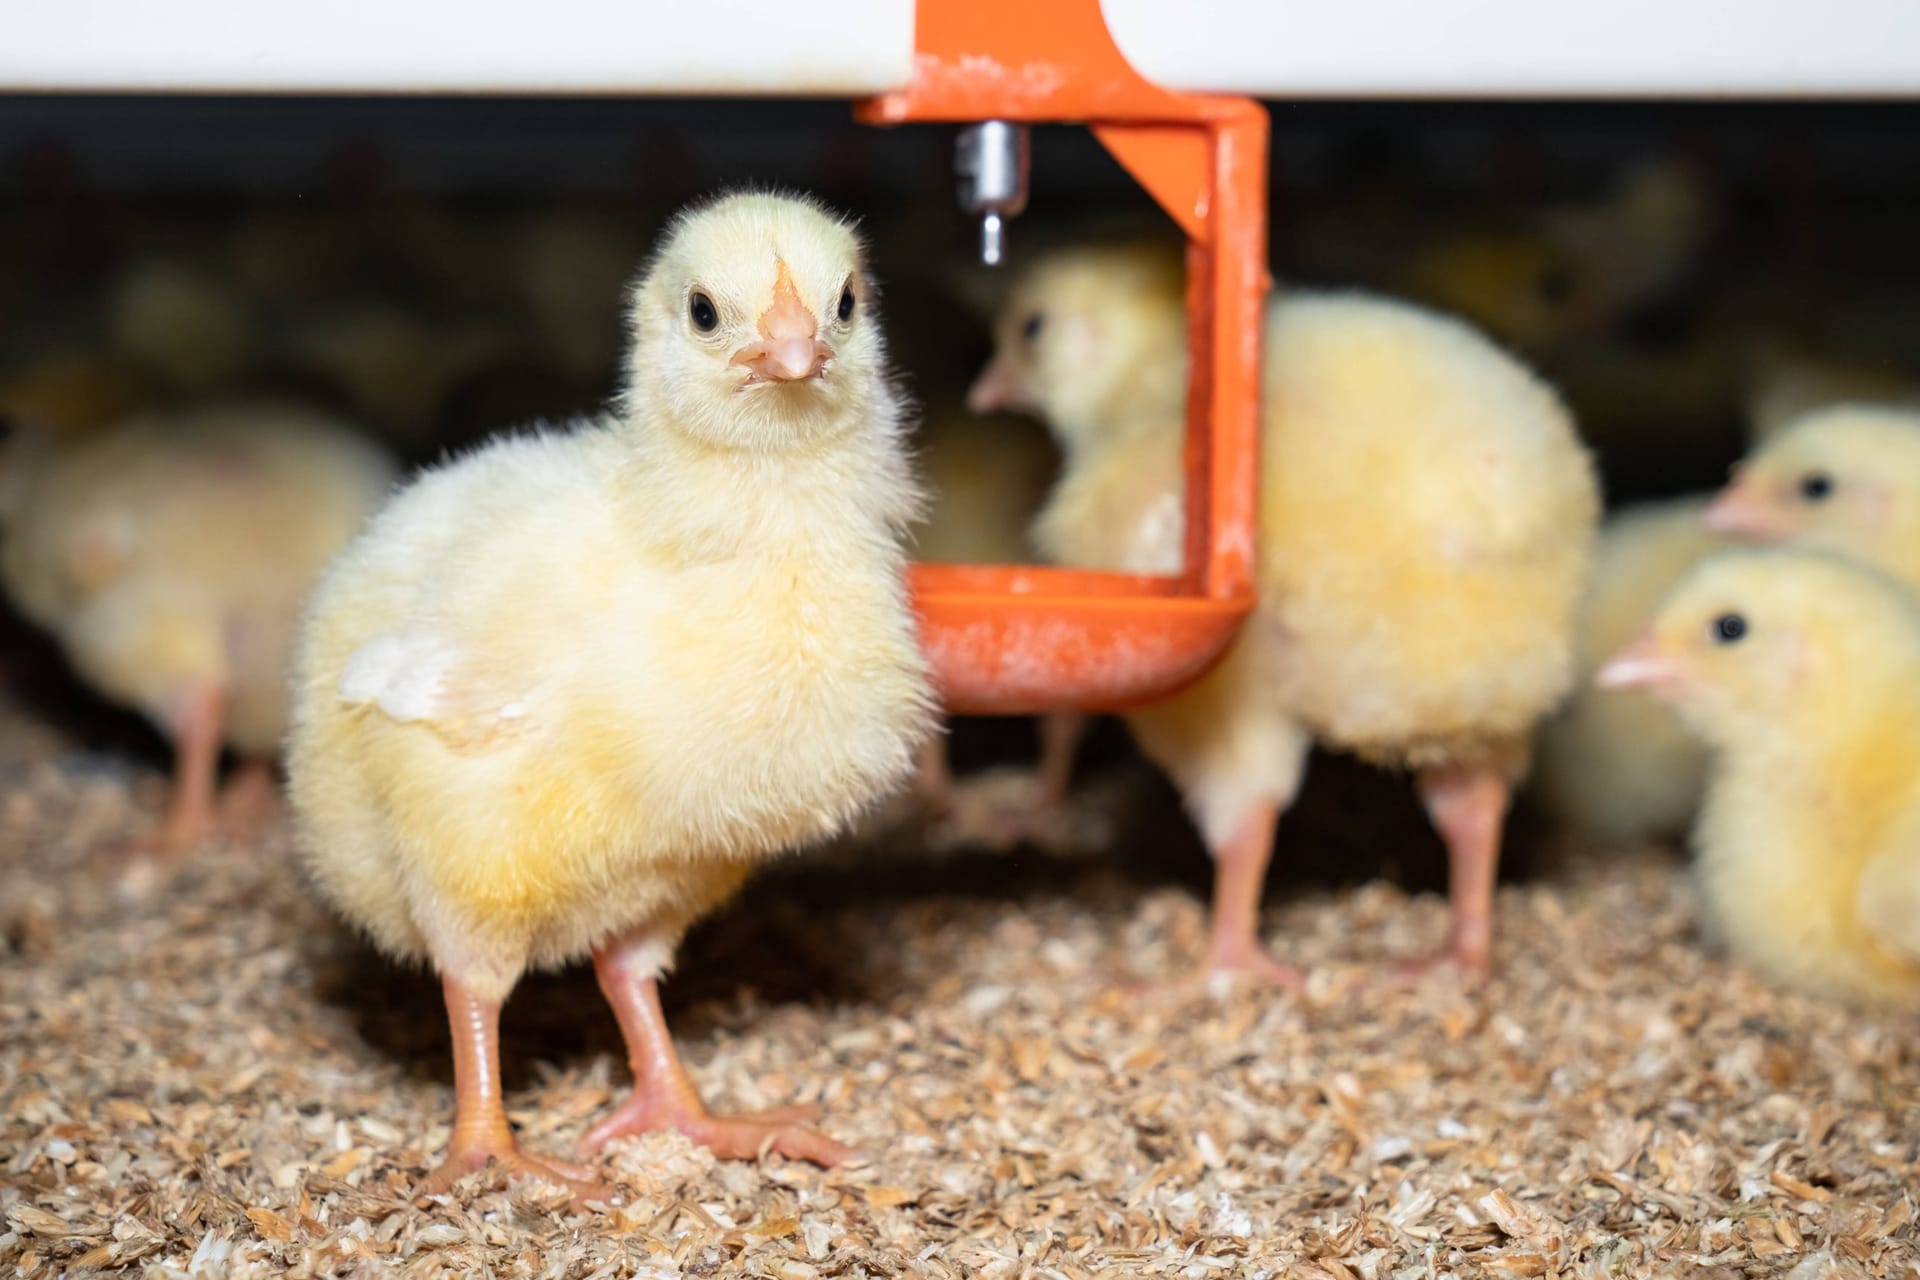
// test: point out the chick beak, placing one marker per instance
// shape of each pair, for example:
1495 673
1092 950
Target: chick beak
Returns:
1641 665
1741 512
997 389
788 350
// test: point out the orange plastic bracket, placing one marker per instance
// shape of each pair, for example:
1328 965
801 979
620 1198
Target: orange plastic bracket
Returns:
1006 639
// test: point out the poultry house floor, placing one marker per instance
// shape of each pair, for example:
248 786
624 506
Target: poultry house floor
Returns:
201 1074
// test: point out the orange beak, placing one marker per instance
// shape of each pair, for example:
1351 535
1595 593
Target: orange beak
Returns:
997 389
1741 512
1642 666
788 350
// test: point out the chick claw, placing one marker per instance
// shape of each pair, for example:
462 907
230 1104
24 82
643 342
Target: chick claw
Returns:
736 1137
513 1163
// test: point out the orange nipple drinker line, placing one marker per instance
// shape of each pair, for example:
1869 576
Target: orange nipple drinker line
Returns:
1019 639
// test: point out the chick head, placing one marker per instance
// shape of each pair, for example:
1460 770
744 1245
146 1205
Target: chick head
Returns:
1845 479
1078 331
754 327
1753 640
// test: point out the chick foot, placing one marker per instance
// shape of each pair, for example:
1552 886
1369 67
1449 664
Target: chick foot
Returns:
481 1135
731 1137
504 1155
663 1094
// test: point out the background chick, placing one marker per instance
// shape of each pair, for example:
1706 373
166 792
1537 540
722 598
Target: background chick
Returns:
1803 672
1426 516
569 690
1844 479
171 555
1610 762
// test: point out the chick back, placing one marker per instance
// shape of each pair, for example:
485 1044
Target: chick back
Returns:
1426 517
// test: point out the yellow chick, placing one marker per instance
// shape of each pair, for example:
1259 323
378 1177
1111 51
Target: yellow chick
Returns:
1425 521
1844 479
1613 763
569 690
171 556
1803 672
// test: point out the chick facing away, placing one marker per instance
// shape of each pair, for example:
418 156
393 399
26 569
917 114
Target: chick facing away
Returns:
1425 521
1802 671
1612 762
171 555
569 690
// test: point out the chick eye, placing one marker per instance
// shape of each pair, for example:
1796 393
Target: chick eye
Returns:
1816 486
700 310
846 304
1727 628
1031 329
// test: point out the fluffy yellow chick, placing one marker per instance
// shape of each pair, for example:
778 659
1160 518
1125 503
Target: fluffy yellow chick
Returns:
1803 672
171 556
1844 479
1426 516
1610 762
569 690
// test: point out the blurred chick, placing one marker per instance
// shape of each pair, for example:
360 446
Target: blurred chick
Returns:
71 391
987 477
1426 516
1844 479
569 690
171 556
182 324
1613 763
1803 672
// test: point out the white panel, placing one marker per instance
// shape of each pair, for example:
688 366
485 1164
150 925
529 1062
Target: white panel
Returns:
1539 48
842 48
846 48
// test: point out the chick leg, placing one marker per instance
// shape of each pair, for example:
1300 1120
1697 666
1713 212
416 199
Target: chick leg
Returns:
1468 807
195 736
1239 879
1060 734
663 1094
481 1135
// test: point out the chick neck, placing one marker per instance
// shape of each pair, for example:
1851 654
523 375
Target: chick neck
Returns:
697 501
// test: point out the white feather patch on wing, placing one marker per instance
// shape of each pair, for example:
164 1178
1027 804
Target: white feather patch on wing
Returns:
404 674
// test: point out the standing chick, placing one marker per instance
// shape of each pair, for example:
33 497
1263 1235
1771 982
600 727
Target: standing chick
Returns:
1844 479
1425 520
171 556
1611 762
568 691
1803 672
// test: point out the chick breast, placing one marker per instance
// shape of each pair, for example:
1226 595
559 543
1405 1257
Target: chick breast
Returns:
521 726
1612 762
1426 517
